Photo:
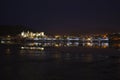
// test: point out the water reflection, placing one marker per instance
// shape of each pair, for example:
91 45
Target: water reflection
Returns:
8 51
33 48
69 44
37 47
82 52
115 45
56 61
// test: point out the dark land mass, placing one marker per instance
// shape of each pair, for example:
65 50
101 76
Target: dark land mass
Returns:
13 29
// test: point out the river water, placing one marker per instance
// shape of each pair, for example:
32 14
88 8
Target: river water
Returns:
37 61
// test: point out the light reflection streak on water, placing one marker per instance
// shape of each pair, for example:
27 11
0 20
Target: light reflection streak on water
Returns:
63 56
50 51
8 51
69 44
40 50
32 48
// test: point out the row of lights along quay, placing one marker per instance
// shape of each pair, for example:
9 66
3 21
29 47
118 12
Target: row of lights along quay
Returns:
41 36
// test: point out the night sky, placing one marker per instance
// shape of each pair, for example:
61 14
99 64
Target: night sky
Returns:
62 16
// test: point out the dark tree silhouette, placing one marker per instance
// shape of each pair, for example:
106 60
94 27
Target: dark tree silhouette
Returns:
13 29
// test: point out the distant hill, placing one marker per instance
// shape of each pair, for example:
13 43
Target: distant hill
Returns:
12 29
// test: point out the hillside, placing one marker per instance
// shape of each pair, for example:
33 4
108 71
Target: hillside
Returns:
12 29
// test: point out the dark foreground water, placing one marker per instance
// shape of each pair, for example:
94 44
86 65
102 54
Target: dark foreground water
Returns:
59 63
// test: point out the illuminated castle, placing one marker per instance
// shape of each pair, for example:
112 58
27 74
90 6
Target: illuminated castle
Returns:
32 35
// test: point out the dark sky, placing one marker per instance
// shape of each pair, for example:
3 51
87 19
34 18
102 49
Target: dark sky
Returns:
62 16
